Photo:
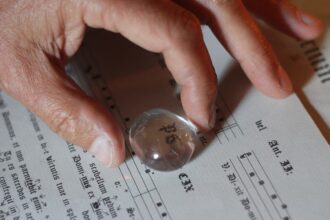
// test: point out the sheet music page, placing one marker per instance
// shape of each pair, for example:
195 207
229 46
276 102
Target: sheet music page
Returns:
308 63
266 159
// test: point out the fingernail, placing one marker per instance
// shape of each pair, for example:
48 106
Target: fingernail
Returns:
103 150
308 19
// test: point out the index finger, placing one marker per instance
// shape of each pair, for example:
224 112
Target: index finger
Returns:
164 27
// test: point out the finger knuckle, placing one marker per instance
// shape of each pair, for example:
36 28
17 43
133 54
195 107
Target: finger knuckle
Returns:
63 122
188 28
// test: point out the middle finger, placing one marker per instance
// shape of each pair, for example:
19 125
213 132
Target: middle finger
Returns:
236 29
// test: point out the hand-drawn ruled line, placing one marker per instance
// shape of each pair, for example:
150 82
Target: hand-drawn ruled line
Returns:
255 188
231 113
264 187
232 131
137 187
246 189
144 183
156 205
161 199
135 183
224 133
148 191
131 156
271 183
123 177
134 179
134 162
228 126
130 192
218 138
140 194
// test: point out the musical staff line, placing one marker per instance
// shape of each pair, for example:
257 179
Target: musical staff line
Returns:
226 122
264 187
110 102
259 179
256 190
248 192
271 183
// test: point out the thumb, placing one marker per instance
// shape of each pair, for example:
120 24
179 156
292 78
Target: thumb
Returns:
39 82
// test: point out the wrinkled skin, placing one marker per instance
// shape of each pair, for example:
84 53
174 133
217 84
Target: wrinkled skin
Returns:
37 37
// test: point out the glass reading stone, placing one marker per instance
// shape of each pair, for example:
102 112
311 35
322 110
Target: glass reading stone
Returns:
163 140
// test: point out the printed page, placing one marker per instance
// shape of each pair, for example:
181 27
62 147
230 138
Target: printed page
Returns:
265 159
308 63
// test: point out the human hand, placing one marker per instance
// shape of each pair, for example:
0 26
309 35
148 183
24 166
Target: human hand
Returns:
37 37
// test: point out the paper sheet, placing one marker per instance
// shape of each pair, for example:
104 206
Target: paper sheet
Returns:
308 63
265 160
